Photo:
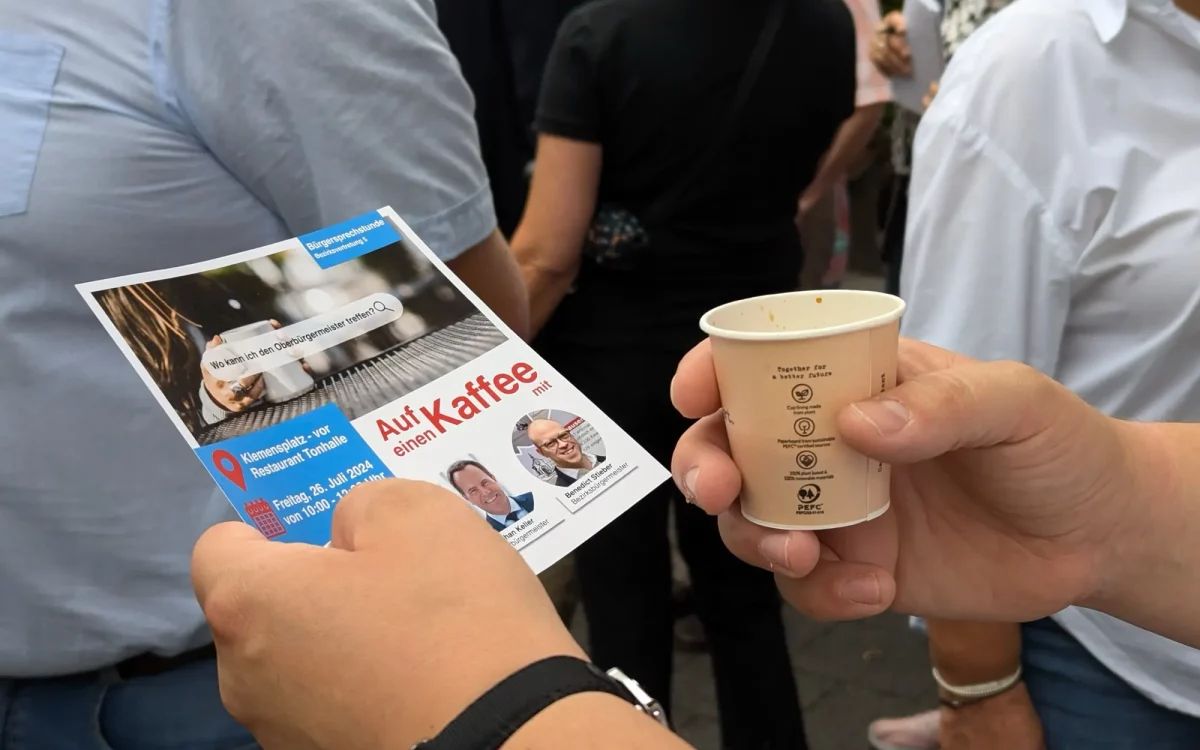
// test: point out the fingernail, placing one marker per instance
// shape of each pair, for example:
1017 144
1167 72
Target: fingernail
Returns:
888 416
774 548
689 484
862 590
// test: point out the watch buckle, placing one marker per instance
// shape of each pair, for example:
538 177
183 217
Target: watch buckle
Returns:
645 703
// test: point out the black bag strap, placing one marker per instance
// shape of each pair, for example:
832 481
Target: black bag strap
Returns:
766 40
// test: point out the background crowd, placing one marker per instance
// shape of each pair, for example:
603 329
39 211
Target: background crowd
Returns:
601 173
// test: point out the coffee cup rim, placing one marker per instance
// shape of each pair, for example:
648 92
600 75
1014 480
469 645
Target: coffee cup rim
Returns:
865 324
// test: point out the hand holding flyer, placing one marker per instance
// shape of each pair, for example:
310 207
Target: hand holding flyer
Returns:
300 370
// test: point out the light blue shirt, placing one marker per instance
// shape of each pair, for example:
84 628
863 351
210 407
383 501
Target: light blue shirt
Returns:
1054 219
141 134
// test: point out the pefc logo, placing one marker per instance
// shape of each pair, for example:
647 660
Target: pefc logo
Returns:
809 494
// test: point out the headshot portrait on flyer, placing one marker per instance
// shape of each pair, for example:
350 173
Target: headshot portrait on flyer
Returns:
557 447
476 483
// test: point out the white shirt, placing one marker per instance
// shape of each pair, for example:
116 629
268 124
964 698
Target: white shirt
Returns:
576 473
1055 219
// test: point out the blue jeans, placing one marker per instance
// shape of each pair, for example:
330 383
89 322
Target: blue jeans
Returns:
1084 706
177 710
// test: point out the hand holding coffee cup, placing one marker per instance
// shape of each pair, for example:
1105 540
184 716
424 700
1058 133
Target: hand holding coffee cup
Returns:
1002 477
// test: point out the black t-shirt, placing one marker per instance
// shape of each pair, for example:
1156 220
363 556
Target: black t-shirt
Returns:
651 80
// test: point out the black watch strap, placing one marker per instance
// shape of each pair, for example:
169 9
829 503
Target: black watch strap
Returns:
492 720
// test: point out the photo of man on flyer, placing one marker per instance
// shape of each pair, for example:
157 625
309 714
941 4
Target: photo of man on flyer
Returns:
480 488
557 447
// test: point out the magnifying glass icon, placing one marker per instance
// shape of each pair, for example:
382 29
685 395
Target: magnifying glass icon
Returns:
382 307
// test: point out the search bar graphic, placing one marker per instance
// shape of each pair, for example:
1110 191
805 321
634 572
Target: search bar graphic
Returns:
239 357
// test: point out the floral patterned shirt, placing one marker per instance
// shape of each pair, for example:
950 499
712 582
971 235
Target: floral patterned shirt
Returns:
961 18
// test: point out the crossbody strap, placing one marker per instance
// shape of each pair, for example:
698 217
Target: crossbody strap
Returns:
758 58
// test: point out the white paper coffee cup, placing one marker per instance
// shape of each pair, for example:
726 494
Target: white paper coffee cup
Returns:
786 365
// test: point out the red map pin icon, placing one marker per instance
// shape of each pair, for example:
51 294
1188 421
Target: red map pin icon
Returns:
229 468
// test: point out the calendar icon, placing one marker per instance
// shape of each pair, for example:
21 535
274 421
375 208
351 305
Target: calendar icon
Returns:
265 519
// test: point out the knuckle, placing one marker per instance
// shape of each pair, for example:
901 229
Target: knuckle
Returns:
808 599
368 492
373 500
729 526
951 389
1032 384
225 608
1018 371
1039 395
1033 380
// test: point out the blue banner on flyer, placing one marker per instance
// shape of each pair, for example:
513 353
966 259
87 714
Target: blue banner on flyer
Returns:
350 239
287 479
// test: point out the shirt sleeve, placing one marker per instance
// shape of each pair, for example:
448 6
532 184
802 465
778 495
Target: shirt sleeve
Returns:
570 102
986 270
327 110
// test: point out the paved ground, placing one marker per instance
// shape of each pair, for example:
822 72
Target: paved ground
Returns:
848 674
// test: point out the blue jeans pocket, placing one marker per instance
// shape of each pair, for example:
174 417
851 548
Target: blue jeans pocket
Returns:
1083 704
28 69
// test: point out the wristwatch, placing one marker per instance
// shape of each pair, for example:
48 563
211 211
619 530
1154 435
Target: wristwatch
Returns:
491 720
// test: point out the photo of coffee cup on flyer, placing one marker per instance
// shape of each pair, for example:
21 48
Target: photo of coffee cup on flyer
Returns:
276 385
239 348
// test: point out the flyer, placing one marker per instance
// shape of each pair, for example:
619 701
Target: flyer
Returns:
300 370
